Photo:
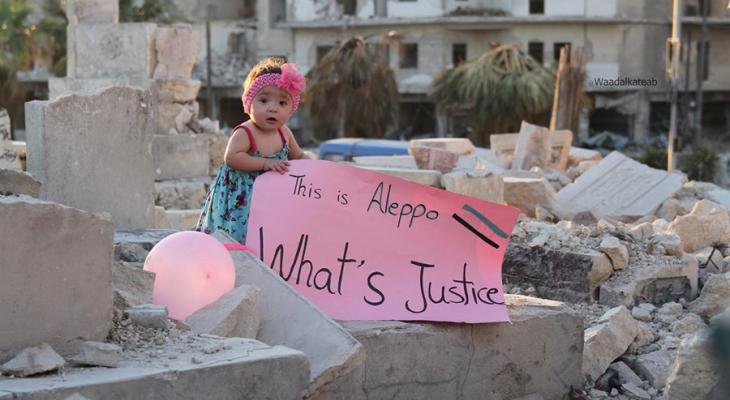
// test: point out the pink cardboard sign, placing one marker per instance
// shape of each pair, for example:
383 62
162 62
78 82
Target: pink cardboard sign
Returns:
367 246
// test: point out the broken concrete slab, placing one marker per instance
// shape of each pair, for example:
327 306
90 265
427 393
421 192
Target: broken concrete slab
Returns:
714 298
607 340
233 315
695 372
287 318
32 361
666 279
625 374
528 193
103 50
19 182
570 276
620 188
655 366
132 285
92 152
98 354
539 352
179 156
178 48
268 372
708 223
422 176
503 146
481 185
533 147
47 270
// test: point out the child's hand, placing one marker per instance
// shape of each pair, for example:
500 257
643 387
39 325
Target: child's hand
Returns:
280 166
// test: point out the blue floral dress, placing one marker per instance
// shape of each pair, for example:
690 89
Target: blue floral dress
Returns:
229 198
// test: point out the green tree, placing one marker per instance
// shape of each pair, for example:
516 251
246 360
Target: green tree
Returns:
149 11
351 91
15 53
498 90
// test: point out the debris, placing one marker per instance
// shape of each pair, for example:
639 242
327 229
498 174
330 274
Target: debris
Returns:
98 354
714 297
607 340
708 223
233 315
615 251
148 315
695 371
32 361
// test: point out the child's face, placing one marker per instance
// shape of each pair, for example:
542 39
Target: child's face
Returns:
271 107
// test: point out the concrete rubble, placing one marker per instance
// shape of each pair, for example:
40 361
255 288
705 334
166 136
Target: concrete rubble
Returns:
233 315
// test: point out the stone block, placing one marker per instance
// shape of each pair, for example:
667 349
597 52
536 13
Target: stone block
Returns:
19 182
132 285
64 86
183 220
539 352
431 158
56 283
178 49
233 315
148 315
161 220
714 298
615 251
620 188
289 319
607 340
528 193
570 276
695 372
177 90
455 145
667 279
92 11
242 368
479 184
217 144
93 152
578 154
176 118
625 374
98 354
180 156
104 50
181 194
708 223
655 366
422 176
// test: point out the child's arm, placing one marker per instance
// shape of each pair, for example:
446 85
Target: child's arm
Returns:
295 152
237 156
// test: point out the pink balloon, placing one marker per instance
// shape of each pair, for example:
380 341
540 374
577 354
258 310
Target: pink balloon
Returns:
192 269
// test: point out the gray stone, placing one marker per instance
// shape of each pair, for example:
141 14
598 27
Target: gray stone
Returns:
695 370
655 366
670 209
641 314
528 193
56 275
32 361
621 188
642 231
178 48
687 324
562 275
233 315
289 319
586 218
484 186
625 374
180 156
98 354
714 298
177 90
671 309
92 152
19 182
148 315
666 280
669 243
161 220
103 50
244 368
607 340
132 285
632 391
92 11
539 352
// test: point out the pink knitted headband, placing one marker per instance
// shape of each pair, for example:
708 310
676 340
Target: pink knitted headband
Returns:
289 80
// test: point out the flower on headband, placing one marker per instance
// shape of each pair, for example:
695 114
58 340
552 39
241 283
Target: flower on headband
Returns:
291 80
